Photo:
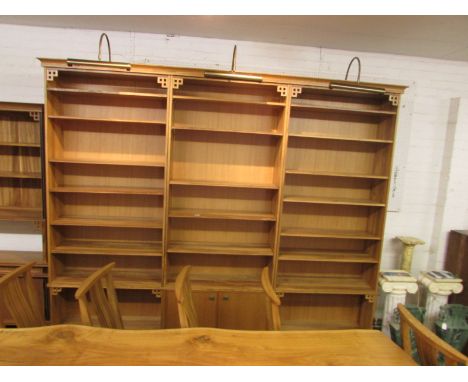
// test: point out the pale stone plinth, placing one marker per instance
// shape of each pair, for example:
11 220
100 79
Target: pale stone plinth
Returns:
395 284
409 243
438 289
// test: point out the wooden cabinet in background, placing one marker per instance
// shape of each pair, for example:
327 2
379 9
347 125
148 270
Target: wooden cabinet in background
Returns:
21 190
226 310
456 261
156 168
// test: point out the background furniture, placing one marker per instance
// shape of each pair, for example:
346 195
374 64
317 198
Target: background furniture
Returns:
183 292
96 296
273 302
85 345
428 344
157 168
456 261
21 196
19 297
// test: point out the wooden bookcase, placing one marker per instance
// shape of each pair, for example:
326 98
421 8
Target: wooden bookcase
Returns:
21 185
156 168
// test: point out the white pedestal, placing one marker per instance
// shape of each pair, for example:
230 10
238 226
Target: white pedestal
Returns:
439 286
395 284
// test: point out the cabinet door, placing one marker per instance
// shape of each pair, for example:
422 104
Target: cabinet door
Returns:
241 310
205 304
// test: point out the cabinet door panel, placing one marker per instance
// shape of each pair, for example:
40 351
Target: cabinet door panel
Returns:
243 311
205 304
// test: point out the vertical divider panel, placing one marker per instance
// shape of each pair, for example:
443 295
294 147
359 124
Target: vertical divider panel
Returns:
281 175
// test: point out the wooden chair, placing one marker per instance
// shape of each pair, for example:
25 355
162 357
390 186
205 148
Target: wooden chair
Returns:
22 302
428 344
272 302
97 295
187 314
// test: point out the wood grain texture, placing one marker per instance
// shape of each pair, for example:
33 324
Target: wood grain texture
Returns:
81 345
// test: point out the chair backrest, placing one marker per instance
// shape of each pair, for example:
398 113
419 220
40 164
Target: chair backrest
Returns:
272 302
20 298
187 314
97 295
429 346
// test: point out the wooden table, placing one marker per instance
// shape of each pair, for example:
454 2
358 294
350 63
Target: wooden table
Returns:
82 345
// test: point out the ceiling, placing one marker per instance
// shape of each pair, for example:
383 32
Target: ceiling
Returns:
441 37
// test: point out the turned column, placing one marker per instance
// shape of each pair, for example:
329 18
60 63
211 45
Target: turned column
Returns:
439 286
395 284
409 243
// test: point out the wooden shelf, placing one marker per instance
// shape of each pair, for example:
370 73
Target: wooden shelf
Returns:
334 201
106 120
107 222
107 163
17 144
325 256
337 109
213 214
107 247
334 174
228 101
338 138
20 175
136 280
209 183
219 284
105 93
323 285
228 131
20 213
336 234
235 249
108 190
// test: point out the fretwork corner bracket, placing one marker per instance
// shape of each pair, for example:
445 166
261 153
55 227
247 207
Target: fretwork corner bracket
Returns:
55 291
295 91
156 293
177 82
370 298
51 74
283 90
35 115
394 99
163 82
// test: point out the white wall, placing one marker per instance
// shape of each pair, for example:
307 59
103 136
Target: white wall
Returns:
424 114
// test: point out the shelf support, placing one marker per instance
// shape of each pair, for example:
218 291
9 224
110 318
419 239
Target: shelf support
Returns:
295 91
177 82
163 82
156 293
283 90
55 291
370 298
35 115
51 74
394 99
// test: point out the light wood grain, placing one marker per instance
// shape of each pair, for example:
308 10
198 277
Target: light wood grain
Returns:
80 345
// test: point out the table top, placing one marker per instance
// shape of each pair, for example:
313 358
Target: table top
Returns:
83 345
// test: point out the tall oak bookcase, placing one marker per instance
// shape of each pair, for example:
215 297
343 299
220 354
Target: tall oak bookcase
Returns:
156 168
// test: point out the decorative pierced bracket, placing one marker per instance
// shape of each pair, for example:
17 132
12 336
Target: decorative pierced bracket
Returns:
35 115
283 90
394 99
156 293
177 82
38 225
55 291
163 82
295 91
51 74
370 298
